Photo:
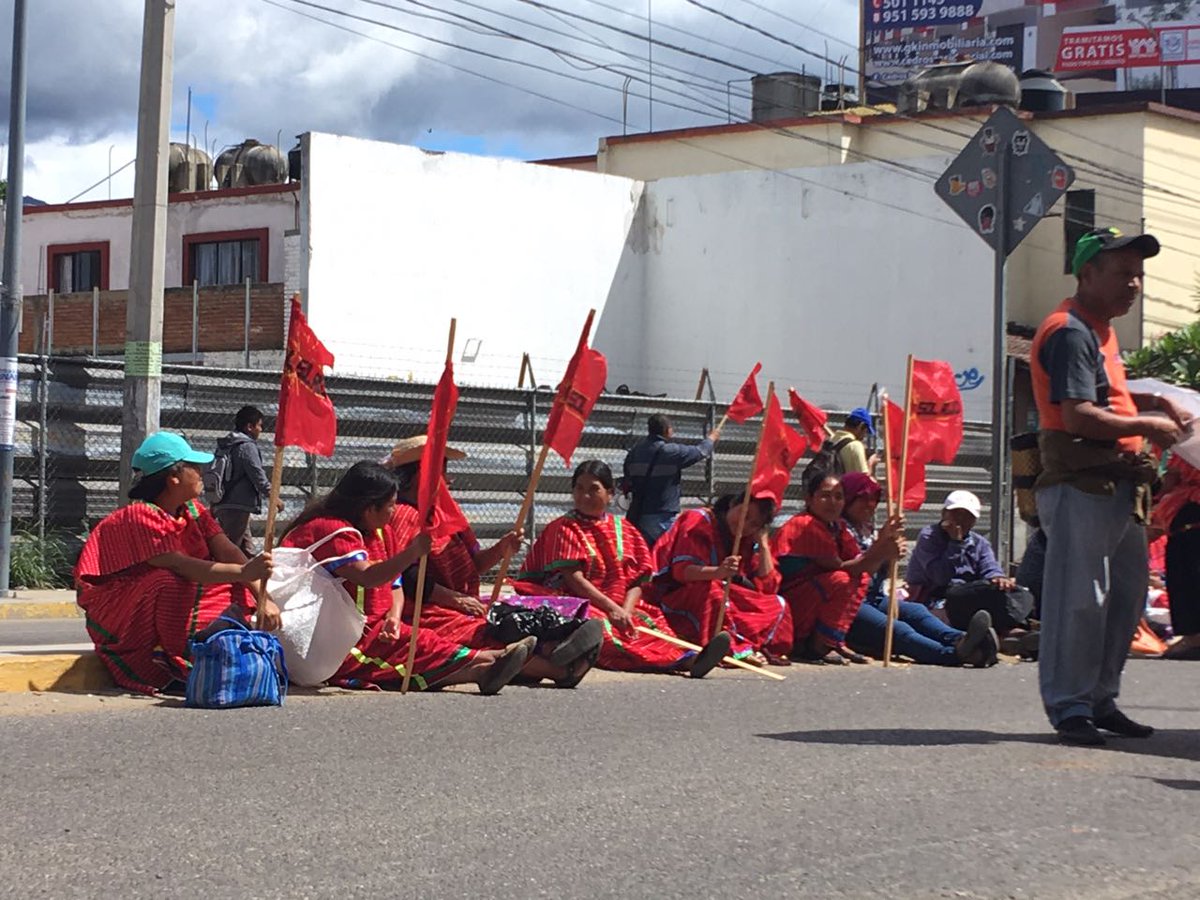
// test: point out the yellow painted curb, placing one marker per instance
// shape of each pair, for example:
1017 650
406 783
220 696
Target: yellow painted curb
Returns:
33 609
22 672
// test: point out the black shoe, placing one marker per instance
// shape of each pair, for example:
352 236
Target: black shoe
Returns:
507 666
585 643
712 654
577 643
978 646
1119 723
1080 731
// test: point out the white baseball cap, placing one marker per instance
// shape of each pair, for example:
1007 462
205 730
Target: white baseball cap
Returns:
963 500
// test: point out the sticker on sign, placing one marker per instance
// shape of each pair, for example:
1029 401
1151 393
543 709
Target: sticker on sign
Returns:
8 402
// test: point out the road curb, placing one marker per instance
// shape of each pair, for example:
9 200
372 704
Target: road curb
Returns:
40 609
24 672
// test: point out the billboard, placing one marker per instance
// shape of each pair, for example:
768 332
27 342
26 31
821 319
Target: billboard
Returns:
1093 45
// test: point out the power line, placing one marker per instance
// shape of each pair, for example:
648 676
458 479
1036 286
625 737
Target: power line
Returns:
797 22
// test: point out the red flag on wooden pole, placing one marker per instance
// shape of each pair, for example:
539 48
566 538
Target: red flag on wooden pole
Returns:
577 394
433 454
781 449
811 417
747 402
431 484
913 480
306 418
937 411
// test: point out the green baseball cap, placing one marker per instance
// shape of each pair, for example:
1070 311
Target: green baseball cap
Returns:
162 450
1099 240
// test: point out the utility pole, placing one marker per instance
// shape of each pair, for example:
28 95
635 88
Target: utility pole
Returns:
10 290
144 309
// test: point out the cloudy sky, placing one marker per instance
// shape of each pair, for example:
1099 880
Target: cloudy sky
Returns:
445 74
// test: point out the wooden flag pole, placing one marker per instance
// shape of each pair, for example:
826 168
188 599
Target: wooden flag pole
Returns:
737 538
687 645
896 505
420 593
273 503
531 489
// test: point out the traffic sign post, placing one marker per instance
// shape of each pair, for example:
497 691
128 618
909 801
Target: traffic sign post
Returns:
1002 184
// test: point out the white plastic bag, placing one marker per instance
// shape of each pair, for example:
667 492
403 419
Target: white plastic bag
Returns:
319 621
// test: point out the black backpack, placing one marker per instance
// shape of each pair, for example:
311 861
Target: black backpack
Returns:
829 457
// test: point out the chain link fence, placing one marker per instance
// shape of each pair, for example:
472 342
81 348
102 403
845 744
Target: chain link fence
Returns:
69 442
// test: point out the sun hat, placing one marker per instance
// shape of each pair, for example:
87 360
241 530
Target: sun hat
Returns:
963 500
860 414
1101 240
162 450
408 450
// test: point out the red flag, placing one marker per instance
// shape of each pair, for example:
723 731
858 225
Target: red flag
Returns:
433 455
781 449
812 418
577 394
448 519
914 475
306 418
748 402
936 407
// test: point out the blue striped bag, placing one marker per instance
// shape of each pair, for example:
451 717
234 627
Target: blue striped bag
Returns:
236 667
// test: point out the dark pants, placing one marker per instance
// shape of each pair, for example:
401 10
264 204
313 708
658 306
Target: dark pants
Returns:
1183 571
917 633
236 525
1009 609
654 525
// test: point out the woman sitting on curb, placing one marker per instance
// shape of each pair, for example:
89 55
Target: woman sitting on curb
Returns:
824 571
592 554
917 633
451 605
154 573
361 505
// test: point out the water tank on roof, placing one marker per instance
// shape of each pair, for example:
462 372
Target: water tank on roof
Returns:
1042 92
784 95
188 169
838 96
959 85
250 163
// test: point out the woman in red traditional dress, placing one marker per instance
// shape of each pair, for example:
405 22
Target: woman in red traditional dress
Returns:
451 605
592 554
825 574
364 557
156 572
693 560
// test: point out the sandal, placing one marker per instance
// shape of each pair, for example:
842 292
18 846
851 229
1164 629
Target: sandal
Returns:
851 656
586 642
712 654
507 666
579 642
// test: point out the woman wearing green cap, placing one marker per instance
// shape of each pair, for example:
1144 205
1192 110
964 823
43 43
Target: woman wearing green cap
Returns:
154 573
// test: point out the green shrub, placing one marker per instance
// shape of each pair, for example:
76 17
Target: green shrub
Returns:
39 563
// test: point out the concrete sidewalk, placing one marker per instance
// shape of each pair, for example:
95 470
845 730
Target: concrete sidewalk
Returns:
46 664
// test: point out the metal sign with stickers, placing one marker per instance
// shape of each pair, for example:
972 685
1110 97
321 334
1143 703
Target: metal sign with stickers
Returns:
1004 181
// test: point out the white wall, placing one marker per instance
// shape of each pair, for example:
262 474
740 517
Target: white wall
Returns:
398 240
112 222
825 274
830 276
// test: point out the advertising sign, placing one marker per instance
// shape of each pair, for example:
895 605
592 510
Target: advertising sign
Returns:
1124 46
885 14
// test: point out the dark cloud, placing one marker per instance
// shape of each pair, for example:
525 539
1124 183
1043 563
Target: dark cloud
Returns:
267 71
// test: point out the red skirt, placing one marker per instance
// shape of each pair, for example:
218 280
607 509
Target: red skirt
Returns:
376 662
825 604
755 621
142 622
454 626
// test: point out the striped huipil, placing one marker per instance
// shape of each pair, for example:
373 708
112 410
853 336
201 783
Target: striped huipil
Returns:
375 661
141 618
613 556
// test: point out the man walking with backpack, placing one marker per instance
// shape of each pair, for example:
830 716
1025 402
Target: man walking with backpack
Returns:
236 483
846 449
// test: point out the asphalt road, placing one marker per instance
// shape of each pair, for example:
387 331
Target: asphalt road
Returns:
855 782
